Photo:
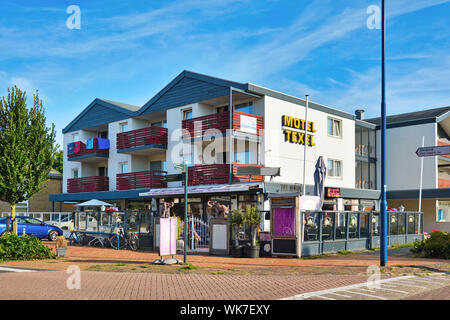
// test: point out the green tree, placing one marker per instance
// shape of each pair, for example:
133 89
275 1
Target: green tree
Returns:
27 149
58 160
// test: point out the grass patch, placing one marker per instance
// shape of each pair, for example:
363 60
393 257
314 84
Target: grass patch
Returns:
120 265
344 252
189 267
144 266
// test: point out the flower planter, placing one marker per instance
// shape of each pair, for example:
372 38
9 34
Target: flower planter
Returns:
252 252
237 252
61 252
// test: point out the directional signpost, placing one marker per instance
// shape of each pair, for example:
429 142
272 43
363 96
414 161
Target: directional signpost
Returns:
433 151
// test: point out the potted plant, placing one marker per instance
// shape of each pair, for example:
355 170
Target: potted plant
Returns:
236 221
252 219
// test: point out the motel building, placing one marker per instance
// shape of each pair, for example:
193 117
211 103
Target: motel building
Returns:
127 155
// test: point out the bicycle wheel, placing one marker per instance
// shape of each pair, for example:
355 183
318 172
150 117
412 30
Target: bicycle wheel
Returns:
96 242
113 242
80 241
133 243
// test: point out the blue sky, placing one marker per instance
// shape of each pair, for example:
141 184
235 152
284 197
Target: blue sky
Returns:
128 51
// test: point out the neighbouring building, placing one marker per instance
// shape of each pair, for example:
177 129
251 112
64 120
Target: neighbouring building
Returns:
40 201
404 136
122 154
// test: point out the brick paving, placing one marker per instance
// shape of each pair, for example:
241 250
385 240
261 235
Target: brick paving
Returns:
315 274
135 286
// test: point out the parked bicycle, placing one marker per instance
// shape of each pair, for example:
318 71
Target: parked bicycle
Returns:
99 242
131 240
79 239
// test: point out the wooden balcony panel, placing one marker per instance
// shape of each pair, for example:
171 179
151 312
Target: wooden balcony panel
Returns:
142 137
141 180
218 174
443 183
197 127
88 184
237 121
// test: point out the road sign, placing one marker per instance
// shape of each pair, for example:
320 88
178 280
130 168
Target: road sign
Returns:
433 151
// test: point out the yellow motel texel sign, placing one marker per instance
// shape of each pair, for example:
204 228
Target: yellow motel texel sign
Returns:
298 130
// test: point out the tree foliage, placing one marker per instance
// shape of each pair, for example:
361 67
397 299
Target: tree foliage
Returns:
58 160
27 147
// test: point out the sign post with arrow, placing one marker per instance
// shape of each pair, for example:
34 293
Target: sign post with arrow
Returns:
433 151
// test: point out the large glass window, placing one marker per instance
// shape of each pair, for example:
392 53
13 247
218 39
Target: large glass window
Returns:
327 226
311 224
353 226
363 224
393 223
124 127
401 223
187 114
341 225
124 167
411 223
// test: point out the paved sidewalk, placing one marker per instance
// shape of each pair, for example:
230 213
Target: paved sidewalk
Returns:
47 285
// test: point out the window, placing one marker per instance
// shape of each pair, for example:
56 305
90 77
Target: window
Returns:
443 211
162 123
158 165
187 114
75 137
222 109
334 127
75 173
103 134
124 127
124 167
334 168
244 107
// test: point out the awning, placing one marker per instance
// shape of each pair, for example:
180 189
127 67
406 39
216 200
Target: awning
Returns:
93 203
200 189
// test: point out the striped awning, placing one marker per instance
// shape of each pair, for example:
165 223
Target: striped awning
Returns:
201 189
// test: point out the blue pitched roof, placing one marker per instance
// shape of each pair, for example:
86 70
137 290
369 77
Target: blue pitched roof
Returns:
100 112
189 87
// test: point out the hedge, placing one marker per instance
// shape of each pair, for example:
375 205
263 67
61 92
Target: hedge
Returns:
26 247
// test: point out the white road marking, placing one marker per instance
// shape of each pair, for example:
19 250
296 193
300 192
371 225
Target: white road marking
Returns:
345 288
324 297
402 283
340 295
365 294
426 281
367 290
399 291
15 270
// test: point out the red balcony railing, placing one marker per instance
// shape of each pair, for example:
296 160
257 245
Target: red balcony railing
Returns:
141 180
85 152
88 184
142 137
197 127
218 174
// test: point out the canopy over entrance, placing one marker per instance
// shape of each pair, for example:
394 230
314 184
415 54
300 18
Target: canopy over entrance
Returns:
93 203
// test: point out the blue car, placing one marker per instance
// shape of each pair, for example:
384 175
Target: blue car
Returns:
33 227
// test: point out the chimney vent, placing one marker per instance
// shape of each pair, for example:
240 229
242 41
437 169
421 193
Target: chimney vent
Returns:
359 114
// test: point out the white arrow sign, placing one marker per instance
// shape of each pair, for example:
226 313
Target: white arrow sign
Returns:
433 151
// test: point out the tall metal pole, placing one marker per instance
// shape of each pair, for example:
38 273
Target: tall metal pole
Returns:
383 206
304 146
421 176
185 169
230 136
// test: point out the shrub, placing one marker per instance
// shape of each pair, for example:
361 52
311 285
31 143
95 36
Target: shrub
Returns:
436 246
13 247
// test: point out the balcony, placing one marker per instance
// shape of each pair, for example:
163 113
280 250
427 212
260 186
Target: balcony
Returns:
88 184
141 180
218 174
242 122
89 155
142 141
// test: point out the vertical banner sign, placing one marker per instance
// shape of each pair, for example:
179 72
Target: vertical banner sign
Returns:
248 124
167 236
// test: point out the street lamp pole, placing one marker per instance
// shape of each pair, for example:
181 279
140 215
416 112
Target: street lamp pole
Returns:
383 205
185 169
